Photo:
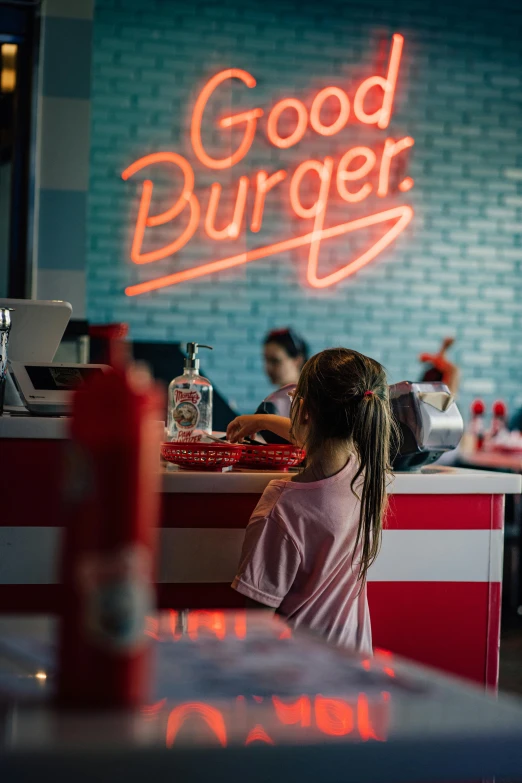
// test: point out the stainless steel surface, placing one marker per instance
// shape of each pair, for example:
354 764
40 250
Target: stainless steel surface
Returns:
5 329
429 420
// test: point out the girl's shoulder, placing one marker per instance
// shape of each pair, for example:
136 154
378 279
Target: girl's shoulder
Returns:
307 481
270 497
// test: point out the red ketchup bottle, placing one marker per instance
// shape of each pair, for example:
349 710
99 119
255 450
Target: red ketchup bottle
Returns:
499 418
476 425
112 513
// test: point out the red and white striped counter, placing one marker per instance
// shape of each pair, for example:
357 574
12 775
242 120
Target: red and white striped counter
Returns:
434 590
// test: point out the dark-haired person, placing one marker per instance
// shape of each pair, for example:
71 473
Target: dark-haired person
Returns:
285 353
310 540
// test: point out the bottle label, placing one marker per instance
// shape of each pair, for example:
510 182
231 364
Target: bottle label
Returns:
186 415
118 597
186 410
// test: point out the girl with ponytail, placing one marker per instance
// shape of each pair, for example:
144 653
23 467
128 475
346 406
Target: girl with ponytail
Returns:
311 539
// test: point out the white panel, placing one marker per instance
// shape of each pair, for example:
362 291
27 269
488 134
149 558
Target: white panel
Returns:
437 556
496 558
210 555
29 555
199 555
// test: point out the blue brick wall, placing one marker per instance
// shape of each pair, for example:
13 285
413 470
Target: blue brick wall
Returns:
455 270
63 147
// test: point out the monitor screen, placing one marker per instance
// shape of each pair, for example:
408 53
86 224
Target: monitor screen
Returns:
59 378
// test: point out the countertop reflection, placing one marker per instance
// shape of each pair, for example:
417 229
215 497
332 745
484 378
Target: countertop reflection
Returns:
245 682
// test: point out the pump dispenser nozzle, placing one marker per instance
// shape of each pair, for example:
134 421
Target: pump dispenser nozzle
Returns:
192 361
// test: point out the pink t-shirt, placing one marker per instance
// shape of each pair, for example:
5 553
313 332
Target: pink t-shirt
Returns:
297 558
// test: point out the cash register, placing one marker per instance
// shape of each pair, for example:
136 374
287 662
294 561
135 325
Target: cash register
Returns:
36 385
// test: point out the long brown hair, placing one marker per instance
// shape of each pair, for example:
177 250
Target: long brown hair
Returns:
346 397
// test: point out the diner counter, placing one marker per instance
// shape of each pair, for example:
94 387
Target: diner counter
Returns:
430 480
434 591
433 480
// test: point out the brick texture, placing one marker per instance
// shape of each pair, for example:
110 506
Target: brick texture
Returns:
455 270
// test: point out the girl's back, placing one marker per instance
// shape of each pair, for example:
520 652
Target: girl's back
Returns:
297 557
311 541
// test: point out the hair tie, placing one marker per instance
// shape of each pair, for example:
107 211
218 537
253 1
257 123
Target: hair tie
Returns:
368 393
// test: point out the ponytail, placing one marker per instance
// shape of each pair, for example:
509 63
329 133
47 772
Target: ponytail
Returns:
372 435
346 395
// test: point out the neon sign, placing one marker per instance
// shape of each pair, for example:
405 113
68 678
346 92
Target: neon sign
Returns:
346 176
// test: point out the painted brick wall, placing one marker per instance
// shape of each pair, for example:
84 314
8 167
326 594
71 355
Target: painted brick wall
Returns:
62 162
456 269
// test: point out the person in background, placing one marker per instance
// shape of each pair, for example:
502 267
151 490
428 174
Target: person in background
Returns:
441 368
285 353
311 540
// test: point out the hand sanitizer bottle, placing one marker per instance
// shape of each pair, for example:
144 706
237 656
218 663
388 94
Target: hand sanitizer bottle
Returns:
190 401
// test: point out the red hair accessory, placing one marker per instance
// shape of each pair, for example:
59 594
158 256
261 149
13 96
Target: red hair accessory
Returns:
369 393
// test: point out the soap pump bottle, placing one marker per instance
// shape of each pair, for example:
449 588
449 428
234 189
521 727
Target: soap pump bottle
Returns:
190 401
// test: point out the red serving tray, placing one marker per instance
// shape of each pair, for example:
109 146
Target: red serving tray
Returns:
201 456
275 455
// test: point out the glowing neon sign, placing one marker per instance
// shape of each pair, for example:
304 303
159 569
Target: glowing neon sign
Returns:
348 174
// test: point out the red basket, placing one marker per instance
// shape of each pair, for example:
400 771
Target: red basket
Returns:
282 456
201 456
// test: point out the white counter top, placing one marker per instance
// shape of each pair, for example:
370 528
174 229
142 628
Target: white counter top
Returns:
430 481
34 427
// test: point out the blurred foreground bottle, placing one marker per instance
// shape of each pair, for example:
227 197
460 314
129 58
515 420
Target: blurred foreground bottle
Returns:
108 561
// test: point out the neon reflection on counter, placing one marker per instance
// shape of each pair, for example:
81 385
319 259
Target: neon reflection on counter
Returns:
221 624
361 717
349 170
332 717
